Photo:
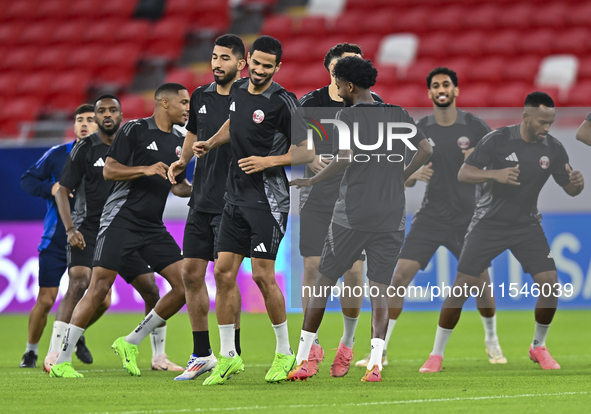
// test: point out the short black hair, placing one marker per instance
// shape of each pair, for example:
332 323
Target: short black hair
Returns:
360 72
268 44
442 70
337 51
82 109
106 96
535 99
168 87
233 42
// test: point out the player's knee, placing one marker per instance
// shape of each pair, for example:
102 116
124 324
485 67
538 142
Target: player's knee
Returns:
77 287
263 281
45 302
193 283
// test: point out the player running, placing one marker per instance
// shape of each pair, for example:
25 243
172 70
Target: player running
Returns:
131 222
448 205
316 205
370 212
83 173
210 109
512 164
257 200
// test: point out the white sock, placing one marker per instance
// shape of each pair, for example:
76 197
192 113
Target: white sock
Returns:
306 341
228 340
391 323
441 338
375 358
490 329
350 324
282 336
57 336
540 335
70 340
150 322
158 341
32 347
316 341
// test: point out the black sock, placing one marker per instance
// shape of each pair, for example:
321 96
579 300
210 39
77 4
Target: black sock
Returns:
201 346
237 341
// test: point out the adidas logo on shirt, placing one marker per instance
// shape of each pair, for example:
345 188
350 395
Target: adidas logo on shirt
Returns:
202 110
233 107
99 163
430 140
260 248
512 157
153 146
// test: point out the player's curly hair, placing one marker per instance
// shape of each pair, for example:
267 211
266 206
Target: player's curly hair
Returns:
442 70
360 72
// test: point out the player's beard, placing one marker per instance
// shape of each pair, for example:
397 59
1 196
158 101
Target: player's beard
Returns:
260 83
450 100
226 78
109 131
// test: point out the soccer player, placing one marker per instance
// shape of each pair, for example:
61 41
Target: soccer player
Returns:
316 205
210 109
257 200
512 164
83 173
370 211
448 205
131 221
584 131
42 180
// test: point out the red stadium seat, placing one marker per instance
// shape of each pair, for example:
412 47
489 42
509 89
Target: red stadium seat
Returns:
345 24
9 82
517 16
584 71
576 41
133 31
21 59
55 10
318 50
169 29
475 95
101 30
20 110
413 21
387 75
417 72
54 58
118 8
536 42
288 74
410 96
522 68
487 69
467 44
69 90
298 49
580 94
20 11
116 76
168 50
578 15
135 107
120 56
510 95
369 44
310 26
480 17
312 77
69 33
211 22
9 33
379 22
501 43
37 34
81 56
83 9
434 45
185 77
277 26
449 17
552 15
36 84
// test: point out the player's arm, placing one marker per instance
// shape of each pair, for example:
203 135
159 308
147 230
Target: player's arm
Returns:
115 171
473 175
424 152
575 184
336 166
200 148
179 166
38 181
584 133
182 189
75 238
422 174
297 155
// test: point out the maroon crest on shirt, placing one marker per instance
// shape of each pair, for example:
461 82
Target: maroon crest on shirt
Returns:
178 151
463 142
258 116
544 162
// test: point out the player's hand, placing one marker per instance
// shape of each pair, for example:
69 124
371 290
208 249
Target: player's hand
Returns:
576 178
76 239
200 148
468 152
423 174
253 164
318 164
159 168
175 169
508 175
300 182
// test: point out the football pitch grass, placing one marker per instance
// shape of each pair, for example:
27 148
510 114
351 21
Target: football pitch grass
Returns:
467 384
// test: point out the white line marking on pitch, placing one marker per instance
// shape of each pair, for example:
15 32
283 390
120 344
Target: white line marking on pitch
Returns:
380 403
